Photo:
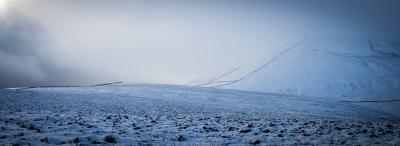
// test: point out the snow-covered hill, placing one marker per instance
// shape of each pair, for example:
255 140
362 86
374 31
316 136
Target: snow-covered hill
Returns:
356 70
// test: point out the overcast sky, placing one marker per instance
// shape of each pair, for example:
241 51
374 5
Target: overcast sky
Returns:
76 42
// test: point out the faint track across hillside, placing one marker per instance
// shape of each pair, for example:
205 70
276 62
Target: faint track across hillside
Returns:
96 85
225 83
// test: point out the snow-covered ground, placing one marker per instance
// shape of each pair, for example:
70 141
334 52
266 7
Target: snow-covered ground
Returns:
143 114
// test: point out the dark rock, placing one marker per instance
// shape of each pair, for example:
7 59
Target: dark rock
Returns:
255 141
249 125
266 131
95 142
225 136
246 130
75 140
109 139
32 127
338 128
91 126
45 140
232 129
306 134
390 126
180 137
210 129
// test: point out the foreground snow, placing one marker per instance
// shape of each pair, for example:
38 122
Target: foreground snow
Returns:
164 114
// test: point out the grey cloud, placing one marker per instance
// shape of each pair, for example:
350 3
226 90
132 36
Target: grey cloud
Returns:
87 41
23 60
18 35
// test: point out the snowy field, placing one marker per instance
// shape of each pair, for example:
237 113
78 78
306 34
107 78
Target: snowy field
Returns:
146 114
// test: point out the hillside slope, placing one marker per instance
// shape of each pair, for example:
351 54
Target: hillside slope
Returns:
356 70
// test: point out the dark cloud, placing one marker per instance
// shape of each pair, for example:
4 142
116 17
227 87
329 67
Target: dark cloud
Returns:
23 60
18 35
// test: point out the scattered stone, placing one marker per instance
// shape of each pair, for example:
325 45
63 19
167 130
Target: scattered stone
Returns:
266 131
225 136
32 127
45 140
210 129
255 141
76 140
249 125
338 128
246 130
91 126
390 126
180 137
306 134
232 129
95 142
109 139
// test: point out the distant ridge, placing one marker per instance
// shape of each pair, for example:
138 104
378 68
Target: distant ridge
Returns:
96 85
